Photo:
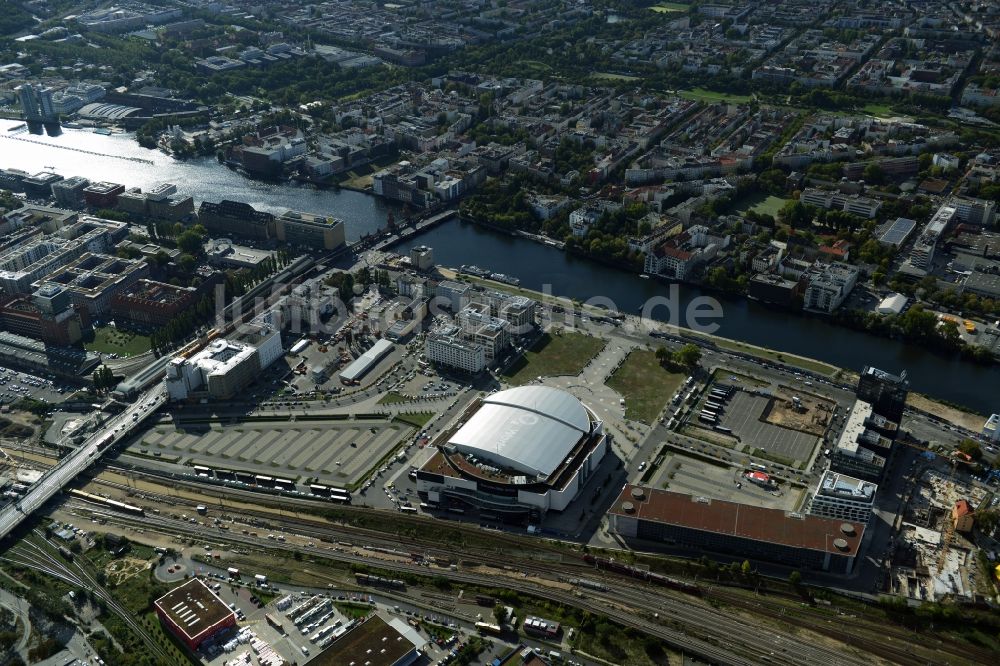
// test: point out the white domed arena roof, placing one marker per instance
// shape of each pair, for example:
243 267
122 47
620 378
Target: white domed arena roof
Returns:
530 429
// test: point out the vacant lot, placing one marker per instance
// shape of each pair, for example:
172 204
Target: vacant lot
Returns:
811 414
110 340
555 354
645 385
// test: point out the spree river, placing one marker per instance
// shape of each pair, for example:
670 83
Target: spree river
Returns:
541 267
537 266
114 158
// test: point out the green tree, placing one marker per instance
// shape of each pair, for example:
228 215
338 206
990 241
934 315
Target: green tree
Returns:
688 356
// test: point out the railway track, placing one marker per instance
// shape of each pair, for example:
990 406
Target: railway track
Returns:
687 625
317 529
75 574
836 628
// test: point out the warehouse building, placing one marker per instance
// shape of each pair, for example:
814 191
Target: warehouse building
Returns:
353 373
374 642
740 530
194 613
516 453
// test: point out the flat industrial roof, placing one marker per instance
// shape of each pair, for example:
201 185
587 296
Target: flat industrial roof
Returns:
739 520
372 643
362 364
193 607
530 429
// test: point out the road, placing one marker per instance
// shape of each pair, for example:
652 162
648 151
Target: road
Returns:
116 428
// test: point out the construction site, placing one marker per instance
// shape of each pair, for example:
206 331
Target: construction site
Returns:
798 410
933 557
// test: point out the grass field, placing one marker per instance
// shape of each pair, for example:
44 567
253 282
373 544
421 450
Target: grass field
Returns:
759 202
645 385
668 7
608 76
560 354
711 97
109 340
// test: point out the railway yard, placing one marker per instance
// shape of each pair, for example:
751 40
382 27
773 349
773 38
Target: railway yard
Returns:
317 494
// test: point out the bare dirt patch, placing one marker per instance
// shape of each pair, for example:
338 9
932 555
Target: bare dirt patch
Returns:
809 413
119 571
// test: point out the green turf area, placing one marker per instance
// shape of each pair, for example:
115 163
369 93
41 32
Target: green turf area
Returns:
711 97
667 7
608 76
882 110
554 354
392 397
759 202
418 419
645 385
110 340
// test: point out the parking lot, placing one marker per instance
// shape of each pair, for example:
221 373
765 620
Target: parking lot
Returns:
742 414
17 385
334 452
685 474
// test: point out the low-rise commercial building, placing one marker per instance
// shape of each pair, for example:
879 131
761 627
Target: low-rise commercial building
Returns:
102 195
353 373
374 641
194 613
740 530
236 219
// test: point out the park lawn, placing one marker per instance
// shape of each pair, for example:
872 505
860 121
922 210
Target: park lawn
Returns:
759 202
666 7
608 76
881 110
110 340
711 97
418 419
565 353
645 384
392 397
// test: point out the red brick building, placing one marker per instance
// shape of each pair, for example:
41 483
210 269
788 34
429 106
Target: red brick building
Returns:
194 613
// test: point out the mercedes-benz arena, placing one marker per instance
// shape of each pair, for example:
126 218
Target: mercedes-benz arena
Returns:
520 451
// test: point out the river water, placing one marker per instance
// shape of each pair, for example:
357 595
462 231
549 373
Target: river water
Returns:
203 178
537 266
545 268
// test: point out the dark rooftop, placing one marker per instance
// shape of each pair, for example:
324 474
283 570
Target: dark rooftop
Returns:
373 643
193 607
740 520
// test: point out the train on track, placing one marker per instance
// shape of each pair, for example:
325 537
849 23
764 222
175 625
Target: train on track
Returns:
648 576
378 581
114 505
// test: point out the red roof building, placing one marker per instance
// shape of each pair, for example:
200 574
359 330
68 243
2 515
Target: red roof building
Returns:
744 530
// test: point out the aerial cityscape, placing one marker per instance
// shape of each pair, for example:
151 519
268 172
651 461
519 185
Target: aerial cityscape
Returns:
499 332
